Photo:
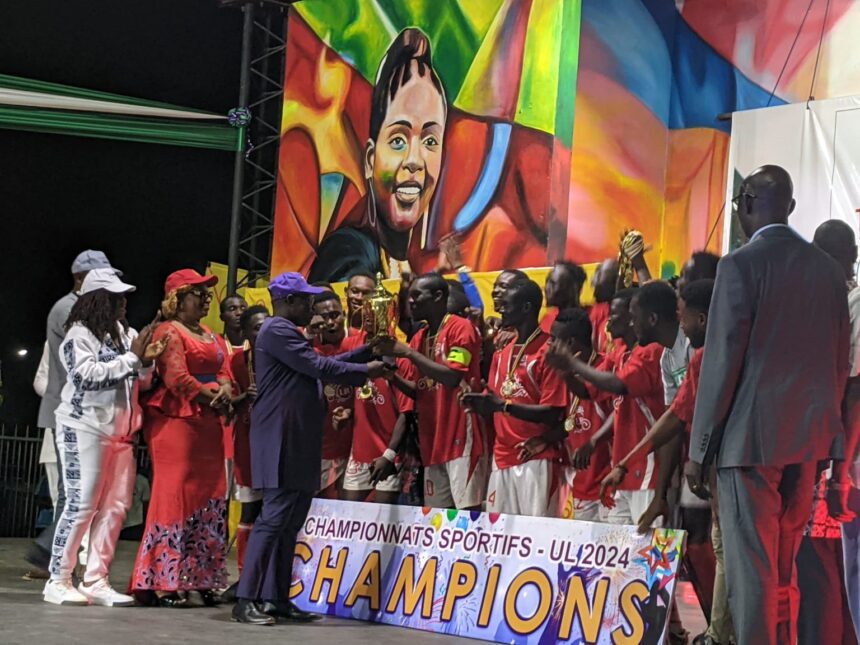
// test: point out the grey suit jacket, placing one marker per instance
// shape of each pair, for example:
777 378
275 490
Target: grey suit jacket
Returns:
57 318
776 356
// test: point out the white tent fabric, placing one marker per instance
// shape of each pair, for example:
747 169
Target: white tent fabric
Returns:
817 143
57 102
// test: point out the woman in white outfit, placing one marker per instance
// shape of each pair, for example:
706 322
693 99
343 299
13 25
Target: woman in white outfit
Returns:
107 362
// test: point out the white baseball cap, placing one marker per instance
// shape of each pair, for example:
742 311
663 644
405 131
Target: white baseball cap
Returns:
106 279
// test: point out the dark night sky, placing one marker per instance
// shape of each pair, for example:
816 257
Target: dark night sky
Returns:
151 208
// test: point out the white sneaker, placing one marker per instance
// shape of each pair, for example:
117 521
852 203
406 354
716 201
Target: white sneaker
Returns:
101 593
62 592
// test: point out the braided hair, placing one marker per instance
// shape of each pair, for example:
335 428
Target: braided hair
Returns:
96 311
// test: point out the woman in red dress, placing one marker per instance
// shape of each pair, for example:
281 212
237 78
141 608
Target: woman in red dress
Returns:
184 540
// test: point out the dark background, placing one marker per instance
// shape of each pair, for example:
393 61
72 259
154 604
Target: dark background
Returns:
151 208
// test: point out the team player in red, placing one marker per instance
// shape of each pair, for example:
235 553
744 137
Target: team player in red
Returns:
633 374
329 336
442 363
378 421
693 312
526 400
587 412
242 364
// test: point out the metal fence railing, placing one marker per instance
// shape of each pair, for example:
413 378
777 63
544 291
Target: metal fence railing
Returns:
25 502
20 479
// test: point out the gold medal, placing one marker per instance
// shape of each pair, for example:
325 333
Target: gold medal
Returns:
330 391
365 391
570 423
508 388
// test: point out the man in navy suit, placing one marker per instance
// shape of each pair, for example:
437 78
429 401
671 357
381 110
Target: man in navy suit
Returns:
286 445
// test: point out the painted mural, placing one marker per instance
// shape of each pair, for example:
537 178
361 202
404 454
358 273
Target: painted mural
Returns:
405 122
648 150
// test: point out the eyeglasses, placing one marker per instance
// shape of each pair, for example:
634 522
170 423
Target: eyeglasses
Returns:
736 200
200 293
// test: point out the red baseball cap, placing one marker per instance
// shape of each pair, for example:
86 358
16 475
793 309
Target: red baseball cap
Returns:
188 278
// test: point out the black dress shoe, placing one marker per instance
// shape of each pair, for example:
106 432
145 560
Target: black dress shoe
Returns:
288 611
246 611
171 601
209 598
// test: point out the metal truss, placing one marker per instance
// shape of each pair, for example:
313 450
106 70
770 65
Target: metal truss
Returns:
255 173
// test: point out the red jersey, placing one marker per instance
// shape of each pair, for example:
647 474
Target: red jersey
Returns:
373 418
548 319
336 444
587 417
685 400
637 410
242 421
230 352
598 313
445 429
534 383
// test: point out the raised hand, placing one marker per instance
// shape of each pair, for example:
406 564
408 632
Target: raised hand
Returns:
154 350
138 345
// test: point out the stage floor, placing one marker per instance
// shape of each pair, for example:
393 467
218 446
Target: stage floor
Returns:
27 620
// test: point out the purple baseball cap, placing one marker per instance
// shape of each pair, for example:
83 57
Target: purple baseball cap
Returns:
288 284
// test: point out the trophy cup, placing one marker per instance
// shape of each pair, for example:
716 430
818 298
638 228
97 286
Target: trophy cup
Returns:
379 321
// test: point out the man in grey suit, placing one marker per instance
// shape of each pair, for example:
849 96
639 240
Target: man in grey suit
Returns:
768 406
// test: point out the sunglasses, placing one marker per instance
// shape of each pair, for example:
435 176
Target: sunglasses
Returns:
736 200
201 293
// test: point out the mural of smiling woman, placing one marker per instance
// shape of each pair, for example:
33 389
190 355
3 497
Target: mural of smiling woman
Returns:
402 165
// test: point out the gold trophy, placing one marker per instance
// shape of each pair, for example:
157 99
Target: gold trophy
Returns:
379 321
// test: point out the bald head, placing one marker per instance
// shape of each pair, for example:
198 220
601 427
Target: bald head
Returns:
836 239
604 280
766 197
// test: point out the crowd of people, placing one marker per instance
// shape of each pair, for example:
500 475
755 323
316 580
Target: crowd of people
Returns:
740 374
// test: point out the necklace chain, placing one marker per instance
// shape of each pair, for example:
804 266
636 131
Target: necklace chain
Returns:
515 363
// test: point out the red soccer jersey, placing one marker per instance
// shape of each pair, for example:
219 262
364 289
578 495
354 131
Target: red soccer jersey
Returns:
374 417
598 313
685 400
637 410
548 319
535 383
444 427
336 443
242 420
587 417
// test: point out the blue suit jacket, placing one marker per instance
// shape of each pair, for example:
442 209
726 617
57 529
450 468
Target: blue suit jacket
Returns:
287 417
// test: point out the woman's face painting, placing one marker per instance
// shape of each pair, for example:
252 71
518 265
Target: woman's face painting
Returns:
405 160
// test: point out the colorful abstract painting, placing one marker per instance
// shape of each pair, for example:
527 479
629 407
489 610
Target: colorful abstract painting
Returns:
404 122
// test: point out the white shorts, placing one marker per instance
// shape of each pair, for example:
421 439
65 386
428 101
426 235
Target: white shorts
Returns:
246 494
330 471
525 489
357 477
452 485
629 506
589 510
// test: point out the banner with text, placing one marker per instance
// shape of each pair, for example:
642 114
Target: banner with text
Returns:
503 578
